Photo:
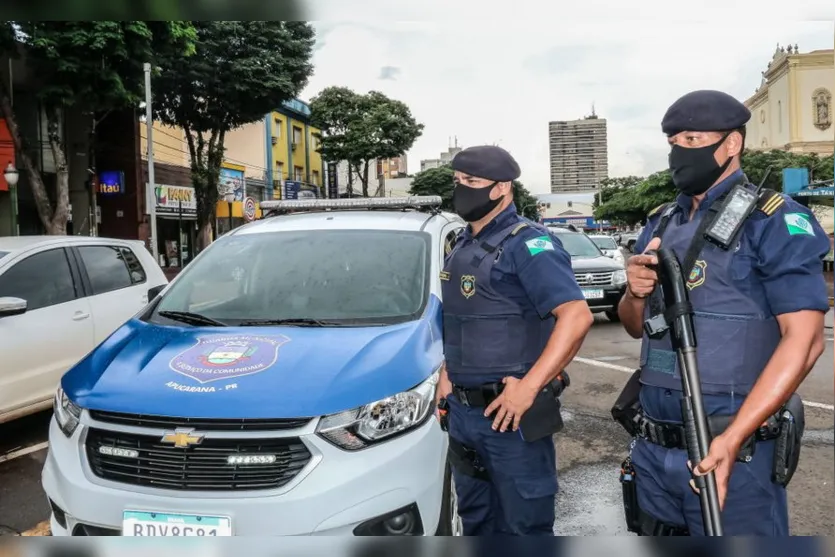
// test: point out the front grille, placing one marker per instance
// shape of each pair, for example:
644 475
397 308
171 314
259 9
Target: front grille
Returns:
200 467
212 424
594 279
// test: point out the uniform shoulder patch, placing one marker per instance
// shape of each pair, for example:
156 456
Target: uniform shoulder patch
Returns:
798 223
539 244
770 201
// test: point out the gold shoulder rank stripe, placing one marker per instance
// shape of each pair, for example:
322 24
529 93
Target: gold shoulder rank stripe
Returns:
518 228
656 209
772 204
444 275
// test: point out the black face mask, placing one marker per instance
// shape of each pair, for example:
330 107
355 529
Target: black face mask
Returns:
473 204
695 170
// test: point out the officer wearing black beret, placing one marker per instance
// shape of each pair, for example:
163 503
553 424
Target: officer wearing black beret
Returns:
513 319
759 306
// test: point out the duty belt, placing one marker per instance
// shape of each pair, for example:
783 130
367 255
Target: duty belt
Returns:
478 397
672 436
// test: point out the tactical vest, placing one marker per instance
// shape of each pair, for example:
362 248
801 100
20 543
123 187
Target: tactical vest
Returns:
486 333
736 333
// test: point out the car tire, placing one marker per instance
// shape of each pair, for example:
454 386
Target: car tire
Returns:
448 522
612 315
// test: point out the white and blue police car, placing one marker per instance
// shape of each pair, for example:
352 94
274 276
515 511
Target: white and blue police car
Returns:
282 384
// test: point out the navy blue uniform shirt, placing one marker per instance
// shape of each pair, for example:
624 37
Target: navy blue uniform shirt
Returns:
788 265
537 275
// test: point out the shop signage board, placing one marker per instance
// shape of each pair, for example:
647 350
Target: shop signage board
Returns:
169 200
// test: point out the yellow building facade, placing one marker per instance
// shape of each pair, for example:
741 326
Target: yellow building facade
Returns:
792 110
293 151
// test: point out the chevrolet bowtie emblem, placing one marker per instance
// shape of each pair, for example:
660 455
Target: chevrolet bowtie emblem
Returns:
182 438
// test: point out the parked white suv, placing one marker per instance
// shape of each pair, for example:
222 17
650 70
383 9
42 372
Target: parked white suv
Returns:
61 296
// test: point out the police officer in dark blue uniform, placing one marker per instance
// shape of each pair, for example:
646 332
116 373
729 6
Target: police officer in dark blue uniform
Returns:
759 309
514 317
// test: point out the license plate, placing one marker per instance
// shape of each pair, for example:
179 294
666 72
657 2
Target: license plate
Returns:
592 294
140 523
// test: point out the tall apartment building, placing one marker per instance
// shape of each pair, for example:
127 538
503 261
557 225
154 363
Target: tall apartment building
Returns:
579 154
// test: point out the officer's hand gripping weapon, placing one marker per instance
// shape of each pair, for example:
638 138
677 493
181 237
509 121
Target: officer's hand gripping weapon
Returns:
679 318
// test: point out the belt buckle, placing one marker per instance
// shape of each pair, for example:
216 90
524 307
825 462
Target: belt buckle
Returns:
462 396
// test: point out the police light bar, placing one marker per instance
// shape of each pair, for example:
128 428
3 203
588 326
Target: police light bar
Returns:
353 203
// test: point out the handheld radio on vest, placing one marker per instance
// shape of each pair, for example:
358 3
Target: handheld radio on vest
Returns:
679 315
737 207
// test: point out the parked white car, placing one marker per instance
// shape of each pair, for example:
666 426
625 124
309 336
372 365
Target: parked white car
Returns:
61 296
608 246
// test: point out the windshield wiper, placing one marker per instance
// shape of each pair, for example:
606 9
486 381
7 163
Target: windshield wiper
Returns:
191 318
294 322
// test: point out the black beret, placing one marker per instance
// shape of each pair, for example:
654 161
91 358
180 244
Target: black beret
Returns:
705 111
487 161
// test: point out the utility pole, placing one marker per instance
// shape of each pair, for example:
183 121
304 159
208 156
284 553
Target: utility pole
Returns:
151 198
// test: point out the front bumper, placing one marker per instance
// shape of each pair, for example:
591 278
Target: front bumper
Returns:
609 301
337 491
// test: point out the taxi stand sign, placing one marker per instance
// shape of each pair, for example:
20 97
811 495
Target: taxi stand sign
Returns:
353 203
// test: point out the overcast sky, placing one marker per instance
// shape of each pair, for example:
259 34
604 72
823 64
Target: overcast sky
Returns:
501 80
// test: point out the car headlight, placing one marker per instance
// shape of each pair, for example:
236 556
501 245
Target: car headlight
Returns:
358 428
619 277
66 412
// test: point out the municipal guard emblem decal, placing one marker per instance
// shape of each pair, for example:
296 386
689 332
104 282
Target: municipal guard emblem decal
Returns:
218 357
697 275
468 285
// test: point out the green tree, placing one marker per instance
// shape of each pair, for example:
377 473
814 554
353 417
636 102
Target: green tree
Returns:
435 181
239 72
526 204
163 10
755 164
361 128
630 204
610 186
89 66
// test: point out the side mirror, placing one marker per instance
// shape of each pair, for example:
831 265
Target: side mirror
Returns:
10 306
154 292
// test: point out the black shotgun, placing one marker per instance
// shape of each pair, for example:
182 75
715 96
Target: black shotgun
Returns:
679 317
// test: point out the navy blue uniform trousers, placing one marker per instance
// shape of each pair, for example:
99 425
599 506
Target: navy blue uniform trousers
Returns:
520 497
754 506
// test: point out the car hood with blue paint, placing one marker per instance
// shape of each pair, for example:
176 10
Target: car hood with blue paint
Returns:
254 372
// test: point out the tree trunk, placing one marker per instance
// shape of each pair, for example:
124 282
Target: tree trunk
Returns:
58 223
42 202
364 179
205 175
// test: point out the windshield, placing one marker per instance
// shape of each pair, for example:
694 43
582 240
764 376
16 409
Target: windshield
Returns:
605 242
579 245
349 277
3 254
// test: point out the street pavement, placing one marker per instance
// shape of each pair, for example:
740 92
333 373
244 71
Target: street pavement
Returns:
589 450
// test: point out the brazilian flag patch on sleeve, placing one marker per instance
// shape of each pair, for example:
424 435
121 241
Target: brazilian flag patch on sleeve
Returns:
540 244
